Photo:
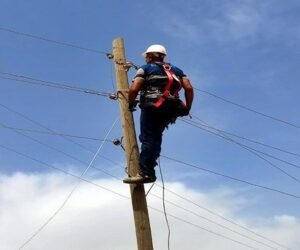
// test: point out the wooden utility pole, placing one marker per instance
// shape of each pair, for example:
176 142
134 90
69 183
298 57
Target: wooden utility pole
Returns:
138 198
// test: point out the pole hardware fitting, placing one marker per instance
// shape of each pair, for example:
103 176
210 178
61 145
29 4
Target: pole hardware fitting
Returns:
117 141
113 96
129 65
121 92
109 56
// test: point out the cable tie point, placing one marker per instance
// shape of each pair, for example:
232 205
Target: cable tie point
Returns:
117 142
109 56
113 96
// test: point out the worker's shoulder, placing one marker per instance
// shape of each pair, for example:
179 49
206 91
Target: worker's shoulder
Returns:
154 68
151 68
177 70
174 67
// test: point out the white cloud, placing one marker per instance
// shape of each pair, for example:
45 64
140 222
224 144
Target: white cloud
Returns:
97 219
226 21
286 220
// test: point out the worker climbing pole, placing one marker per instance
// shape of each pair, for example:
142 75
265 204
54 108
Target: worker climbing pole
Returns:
158 83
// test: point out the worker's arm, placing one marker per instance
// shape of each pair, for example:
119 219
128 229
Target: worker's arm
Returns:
188 92
134 90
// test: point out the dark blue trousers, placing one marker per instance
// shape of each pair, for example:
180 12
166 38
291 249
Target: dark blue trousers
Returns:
152 124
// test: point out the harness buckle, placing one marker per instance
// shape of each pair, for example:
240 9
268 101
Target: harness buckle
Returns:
167 66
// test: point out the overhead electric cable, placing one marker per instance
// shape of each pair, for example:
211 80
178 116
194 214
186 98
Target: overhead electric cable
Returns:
73 190
245 138
223 218
151 194
75 158
52 41
232 178
249 109
60 170
121 195
90 182
64 153
246 148
207 230
34 81
224 135
47 128
44 127
215 223
164 205
120 179
51 133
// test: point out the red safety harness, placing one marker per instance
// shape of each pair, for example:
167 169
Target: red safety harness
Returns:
171 77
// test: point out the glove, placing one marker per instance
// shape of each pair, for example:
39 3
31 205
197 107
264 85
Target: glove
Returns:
183 110
132 106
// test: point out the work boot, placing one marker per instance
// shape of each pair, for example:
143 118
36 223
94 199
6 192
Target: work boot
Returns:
149 179
139 179
134 179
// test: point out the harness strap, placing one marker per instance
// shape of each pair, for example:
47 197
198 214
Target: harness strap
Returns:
168 71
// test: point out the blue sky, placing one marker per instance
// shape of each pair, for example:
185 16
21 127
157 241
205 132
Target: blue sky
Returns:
244 51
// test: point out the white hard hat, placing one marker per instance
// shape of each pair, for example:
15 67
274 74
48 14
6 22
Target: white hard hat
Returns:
156 48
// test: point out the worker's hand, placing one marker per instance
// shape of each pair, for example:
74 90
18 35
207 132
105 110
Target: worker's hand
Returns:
183 110
132 106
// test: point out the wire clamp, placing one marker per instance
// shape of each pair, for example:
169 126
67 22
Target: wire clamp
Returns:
118 142
129 65
113 96
109 56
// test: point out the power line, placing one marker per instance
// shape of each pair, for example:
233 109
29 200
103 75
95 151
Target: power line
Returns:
34 81
65 137
164 205
207 230
208 126
245 138
167 201
71 193
216 223
98 169
51 133
52 41
236 142
72 157
222 217
66 154
248 109
119 179
44 127
196 214
251 150
232 178
121 195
